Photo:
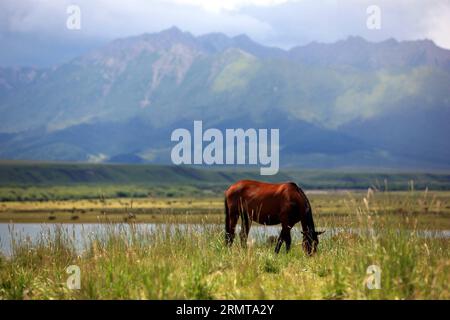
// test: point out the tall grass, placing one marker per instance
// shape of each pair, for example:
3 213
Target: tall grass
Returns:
171 261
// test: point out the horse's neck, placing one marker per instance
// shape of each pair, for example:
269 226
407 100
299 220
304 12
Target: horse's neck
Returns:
309 223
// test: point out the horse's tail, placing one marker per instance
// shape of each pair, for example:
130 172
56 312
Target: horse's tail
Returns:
244 219
227 211
227 219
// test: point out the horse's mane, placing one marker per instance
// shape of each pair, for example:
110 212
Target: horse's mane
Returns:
308 208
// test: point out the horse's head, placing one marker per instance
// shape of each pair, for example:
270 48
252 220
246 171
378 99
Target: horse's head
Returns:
311 241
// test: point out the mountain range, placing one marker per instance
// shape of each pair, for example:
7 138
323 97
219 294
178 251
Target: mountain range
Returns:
352 103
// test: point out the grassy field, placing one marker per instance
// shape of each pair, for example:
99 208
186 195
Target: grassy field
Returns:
194 264
35 181
431 210
184 256
123 261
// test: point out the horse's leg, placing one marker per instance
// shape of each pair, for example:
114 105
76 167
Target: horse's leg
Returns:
287 238
231 219
279 242
285 235
245 228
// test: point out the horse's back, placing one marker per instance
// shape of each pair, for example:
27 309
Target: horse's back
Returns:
244 187
272 196
266 203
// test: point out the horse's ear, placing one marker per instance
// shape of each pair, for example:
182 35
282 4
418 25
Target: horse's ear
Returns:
320 232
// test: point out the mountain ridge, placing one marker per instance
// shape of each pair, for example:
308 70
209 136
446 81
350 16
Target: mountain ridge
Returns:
139 89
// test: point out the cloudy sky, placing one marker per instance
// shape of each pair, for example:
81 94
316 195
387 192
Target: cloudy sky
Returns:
34 32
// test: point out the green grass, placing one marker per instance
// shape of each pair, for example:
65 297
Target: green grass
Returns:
194 263
17 173
97 191
58 181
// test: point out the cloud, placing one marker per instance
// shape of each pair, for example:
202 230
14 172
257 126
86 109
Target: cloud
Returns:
30 16
437 24
112 19
230 5
138 17
305 21
273 22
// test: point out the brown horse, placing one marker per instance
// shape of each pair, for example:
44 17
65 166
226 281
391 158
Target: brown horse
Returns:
269 204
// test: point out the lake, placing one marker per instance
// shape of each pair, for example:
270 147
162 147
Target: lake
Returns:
81 232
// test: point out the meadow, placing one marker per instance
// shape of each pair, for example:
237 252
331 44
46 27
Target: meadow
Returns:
184 255
156 232
431 209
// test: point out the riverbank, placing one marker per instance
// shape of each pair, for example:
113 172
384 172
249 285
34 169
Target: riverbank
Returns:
192 263
430 210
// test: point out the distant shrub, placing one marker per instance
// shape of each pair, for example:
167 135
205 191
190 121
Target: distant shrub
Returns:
122 194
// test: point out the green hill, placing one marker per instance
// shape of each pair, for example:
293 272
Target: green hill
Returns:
72 174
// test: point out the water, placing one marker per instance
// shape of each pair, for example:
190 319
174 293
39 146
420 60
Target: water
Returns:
81 232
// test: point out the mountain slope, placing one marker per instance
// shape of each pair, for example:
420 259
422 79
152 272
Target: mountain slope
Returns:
359 53
351 103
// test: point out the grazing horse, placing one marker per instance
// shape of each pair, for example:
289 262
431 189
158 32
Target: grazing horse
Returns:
269 204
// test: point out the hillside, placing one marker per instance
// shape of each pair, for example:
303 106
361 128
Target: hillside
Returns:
349 104
66 174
